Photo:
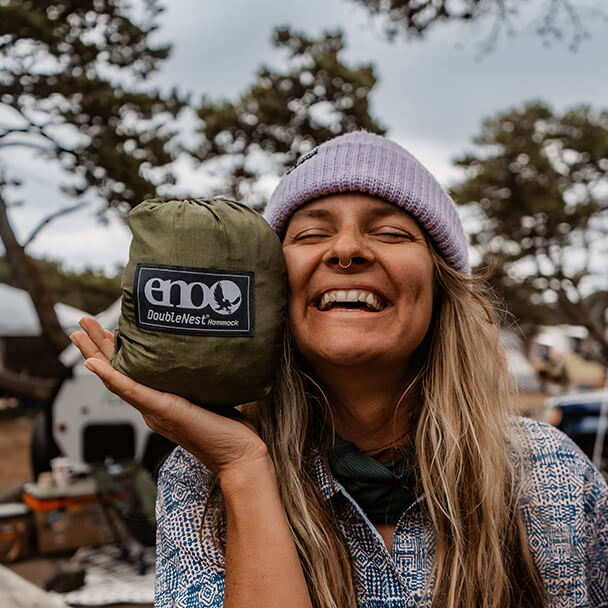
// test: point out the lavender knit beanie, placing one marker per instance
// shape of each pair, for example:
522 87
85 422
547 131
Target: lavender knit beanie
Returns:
364 162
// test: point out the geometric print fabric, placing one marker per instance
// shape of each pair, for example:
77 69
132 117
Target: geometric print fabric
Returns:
566 515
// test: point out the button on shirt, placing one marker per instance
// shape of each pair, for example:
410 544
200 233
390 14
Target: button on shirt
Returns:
566 517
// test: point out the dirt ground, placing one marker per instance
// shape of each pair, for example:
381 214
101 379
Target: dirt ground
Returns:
15 470
14 452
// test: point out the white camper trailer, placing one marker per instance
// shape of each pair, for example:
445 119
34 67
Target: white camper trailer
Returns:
90 425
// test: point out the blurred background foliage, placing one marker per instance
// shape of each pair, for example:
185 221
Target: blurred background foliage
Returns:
286 114
69 71
69 75
538 185
556 21
73 76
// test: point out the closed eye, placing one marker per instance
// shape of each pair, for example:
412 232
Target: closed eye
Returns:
310 235
394 235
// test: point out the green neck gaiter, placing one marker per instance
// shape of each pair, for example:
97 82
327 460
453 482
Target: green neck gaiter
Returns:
383 491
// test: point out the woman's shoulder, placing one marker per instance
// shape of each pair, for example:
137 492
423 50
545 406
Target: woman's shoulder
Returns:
565 507
548 447
547 444
555 462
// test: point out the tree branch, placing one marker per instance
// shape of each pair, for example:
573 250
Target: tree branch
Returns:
587 250
49 218
30 278
26 144
38 129
26 386
10 131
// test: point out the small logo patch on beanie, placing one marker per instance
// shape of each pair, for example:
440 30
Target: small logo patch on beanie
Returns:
302 159
194 301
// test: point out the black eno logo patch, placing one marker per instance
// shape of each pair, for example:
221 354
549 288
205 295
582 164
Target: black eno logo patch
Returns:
198 301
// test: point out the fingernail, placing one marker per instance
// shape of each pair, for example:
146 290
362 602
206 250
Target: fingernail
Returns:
89 365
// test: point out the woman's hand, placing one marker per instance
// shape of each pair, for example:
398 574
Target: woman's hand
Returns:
262 563
223 444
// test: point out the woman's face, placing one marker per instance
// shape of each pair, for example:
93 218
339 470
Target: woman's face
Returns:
377 310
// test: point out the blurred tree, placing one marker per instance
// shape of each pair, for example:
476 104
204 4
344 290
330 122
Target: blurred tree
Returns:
556 20
90 290
538 186
63 65
285 114
62 62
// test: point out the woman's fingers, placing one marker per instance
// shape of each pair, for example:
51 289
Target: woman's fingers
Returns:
98 335
216 440
138 395
163 412
94 341
86 346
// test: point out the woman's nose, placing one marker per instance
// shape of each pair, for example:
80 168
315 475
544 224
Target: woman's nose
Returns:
349 250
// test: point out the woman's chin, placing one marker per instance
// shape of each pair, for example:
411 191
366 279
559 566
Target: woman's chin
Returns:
347 354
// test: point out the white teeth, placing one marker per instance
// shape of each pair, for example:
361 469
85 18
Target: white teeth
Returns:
352 295
325 300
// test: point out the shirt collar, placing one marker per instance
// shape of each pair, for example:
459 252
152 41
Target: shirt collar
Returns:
328 486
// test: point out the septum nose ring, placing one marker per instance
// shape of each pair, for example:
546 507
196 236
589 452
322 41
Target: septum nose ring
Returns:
350 262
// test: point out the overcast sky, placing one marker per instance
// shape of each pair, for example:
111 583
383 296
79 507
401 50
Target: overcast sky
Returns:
431 95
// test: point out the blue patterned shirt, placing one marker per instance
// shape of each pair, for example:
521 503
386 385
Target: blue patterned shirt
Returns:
566 519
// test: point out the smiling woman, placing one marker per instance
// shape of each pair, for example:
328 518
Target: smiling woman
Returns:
385 469
375 310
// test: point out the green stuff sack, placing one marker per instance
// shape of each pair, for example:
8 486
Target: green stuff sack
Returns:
204 301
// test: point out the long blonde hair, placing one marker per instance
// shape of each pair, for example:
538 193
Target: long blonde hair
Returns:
471 461
469 467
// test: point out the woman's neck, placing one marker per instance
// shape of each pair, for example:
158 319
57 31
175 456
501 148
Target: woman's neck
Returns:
369 409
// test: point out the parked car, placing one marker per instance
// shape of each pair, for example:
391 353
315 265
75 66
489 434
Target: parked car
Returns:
578 415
